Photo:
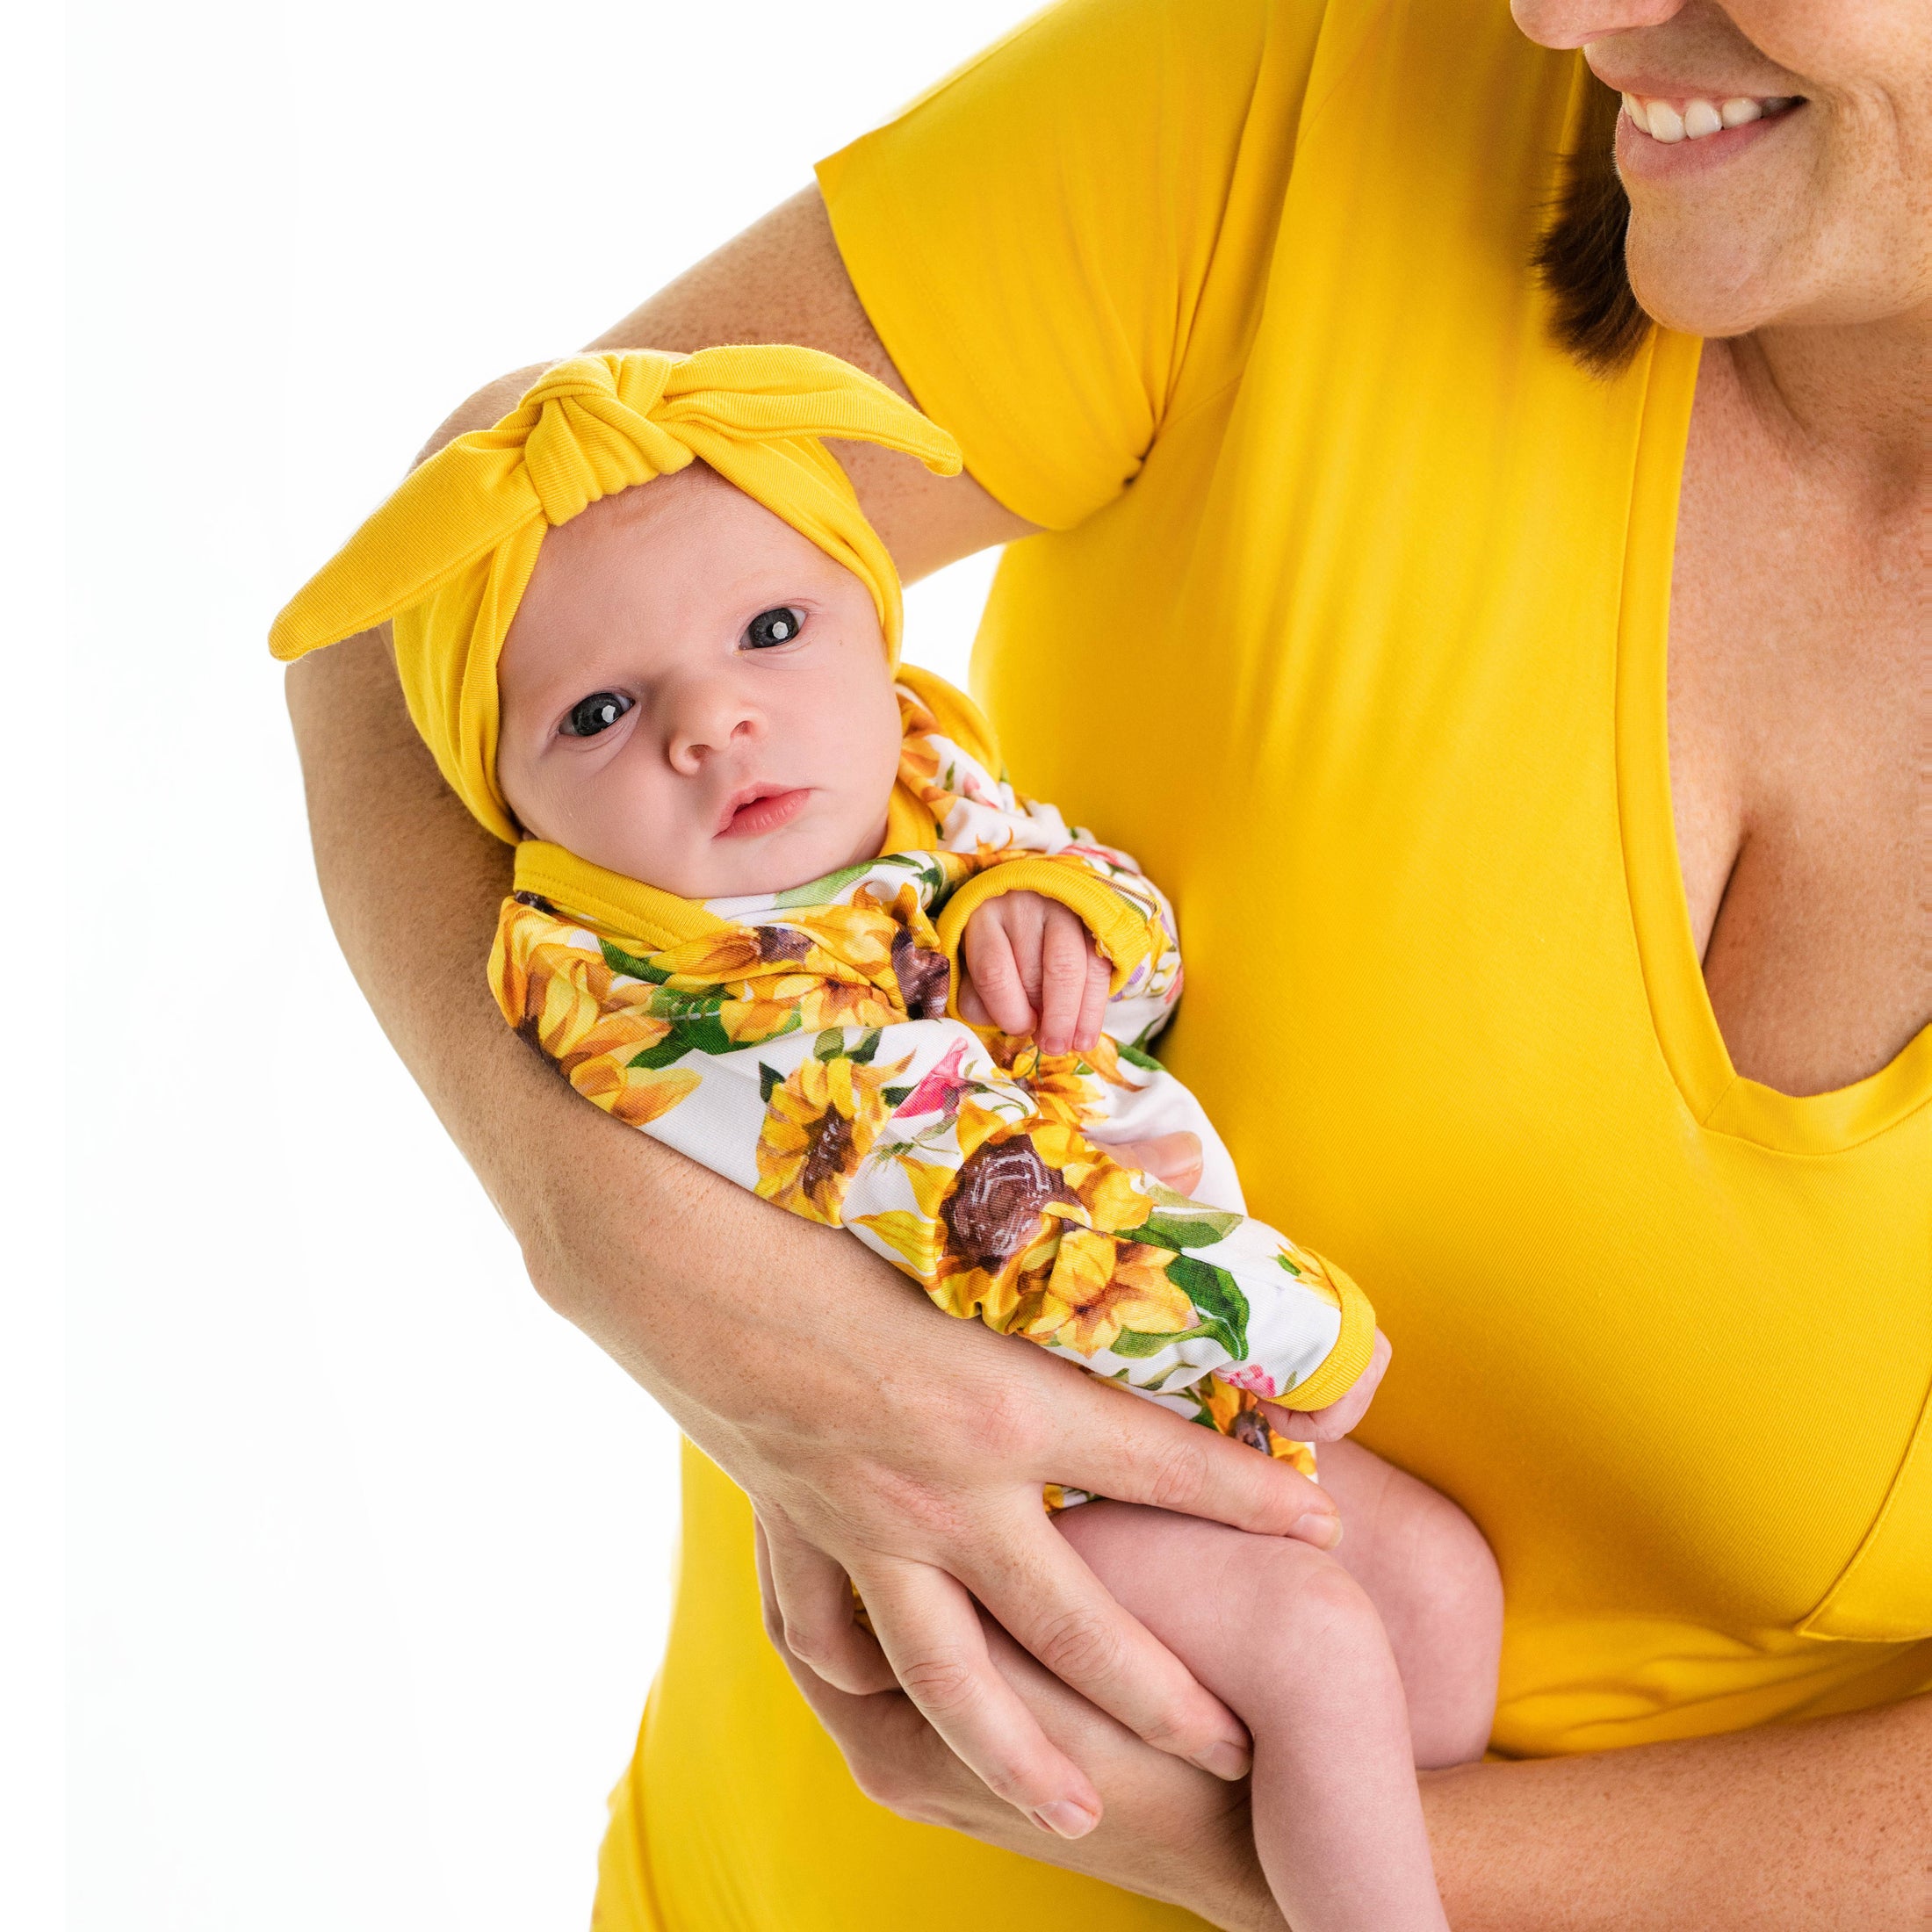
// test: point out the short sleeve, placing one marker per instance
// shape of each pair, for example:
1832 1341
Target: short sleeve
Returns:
1038 240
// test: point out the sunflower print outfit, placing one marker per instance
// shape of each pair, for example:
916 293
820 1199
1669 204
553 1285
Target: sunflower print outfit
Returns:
806 1045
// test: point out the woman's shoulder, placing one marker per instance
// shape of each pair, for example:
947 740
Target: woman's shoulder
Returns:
1068 243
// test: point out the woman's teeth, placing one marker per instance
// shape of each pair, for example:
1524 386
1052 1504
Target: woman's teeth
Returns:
1669 122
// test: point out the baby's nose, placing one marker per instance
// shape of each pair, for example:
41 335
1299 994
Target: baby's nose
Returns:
706 717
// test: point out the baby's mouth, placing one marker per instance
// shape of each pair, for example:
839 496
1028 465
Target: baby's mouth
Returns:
759 807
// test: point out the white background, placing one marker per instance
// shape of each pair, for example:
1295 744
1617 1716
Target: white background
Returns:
369 1553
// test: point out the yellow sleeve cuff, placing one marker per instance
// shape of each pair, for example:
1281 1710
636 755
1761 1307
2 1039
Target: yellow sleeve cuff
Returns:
1345 1362
1118 930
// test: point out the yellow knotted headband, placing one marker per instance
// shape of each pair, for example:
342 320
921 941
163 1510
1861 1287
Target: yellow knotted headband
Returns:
449 556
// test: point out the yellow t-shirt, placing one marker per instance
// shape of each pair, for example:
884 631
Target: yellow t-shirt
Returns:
1351 623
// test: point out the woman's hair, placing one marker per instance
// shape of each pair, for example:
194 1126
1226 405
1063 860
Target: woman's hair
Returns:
1580 257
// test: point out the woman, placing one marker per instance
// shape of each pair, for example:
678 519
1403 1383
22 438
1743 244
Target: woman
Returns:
1594 999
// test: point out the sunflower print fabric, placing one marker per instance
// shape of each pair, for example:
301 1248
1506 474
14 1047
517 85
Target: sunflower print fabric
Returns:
801 1045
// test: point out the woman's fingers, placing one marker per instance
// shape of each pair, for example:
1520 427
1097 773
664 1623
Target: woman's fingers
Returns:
1169 1832
931 1632
1137 1452
897 1759
1050 1602
810 1612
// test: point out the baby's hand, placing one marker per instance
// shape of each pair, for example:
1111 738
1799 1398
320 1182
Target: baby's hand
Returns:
1331 1424
1032 968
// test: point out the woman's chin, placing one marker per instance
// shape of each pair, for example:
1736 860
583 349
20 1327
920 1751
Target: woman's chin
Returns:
1694 285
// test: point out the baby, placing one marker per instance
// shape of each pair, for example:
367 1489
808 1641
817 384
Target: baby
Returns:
776 905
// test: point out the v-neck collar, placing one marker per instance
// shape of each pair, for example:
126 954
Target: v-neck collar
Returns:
1720 1099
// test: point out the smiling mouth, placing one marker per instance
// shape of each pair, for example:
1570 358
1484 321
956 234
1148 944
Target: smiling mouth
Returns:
1669 119
754 809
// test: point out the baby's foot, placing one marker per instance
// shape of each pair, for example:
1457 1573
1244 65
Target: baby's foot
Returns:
1172 1159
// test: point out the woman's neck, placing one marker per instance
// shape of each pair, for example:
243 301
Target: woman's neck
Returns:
1850 404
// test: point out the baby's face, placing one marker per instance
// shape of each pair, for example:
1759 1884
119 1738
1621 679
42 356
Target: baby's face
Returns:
696 696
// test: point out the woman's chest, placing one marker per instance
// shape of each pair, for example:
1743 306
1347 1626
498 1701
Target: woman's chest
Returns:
1394 742
1800 723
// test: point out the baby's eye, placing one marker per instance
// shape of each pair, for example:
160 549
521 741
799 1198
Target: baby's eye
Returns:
597 713
770 627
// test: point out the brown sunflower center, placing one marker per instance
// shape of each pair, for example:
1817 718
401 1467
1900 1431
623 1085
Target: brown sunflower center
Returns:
777 943
829 1153
924 978
994 1209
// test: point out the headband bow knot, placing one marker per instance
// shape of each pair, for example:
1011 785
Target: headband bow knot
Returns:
449 556
588 441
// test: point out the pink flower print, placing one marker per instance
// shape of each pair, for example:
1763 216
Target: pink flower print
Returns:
940 1091
1098 856
1250 1376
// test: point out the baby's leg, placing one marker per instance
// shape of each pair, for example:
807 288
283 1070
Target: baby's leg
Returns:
1434 1583
1291 1643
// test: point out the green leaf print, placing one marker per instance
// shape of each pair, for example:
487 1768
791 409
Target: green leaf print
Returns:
1215 1295
621 961
769 1080
694 1034
667 1005
821 892
1181 1232
830 1045
1281 1257
1135 1057
896 1096
1137 1346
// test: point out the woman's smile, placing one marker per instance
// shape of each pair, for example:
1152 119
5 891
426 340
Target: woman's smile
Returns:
1659 135
1669 118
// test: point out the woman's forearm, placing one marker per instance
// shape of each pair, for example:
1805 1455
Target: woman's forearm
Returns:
878 1438
1810 1828
610 1223
1824 1827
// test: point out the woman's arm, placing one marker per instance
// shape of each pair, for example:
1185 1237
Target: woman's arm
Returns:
1804 1828
1824 1827
874 1437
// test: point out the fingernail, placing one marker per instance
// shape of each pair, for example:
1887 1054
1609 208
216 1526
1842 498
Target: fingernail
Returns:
1068 1819
1227 1761
1322 1530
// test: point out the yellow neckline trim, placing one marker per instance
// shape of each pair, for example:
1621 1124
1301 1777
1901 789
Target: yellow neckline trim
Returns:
621 908
1719 1098
614 905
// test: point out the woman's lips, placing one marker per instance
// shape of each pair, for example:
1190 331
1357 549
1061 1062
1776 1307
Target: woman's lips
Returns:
754 809
1666 146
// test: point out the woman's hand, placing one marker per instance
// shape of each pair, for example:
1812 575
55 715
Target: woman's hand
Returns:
885 1443
1169 1831
1813 1828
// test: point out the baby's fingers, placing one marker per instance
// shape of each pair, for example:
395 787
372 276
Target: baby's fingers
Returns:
996 978
1066 956
1331 1424
1099 983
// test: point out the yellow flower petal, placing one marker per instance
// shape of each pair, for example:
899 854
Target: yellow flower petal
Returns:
916 1238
